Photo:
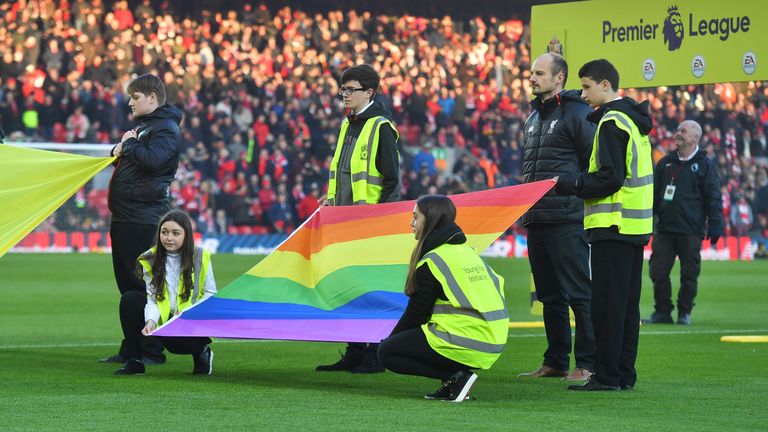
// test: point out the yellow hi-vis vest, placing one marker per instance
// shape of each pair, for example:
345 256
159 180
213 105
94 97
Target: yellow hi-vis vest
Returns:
201 260
471 327
367 181
630 209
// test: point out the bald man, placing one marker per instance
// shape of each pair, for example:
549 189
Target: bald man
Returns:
558 141
688 207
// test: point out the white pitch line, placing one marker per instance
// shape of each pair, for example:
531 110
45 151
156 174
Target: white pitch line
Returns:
511 336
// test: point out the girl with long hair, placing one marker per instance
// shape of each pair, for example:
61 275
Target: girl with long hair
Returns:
177 275
456 319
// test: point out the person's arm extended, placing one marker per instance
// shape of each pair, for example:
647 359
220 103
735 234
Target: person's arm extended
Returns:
156 153
421 302
388 164
608 179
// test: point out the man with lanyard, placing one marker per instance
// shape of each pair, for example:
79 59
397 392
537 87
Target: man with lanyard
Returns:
365 169
687 204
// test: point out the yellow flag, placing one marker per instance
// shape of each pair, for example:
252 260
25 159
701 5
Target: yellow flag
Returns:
34 183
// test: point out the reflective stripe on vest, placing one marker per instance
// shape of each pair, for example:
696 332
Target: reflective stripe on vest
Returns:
630 209
471 327
201 262
465 307
366 180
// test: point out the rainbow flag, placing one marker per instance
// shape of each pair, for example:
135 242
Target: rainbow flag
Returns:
34 183
340 276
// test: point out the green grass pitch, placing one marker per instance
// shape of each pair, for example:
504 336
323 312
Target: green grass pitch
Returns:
58 315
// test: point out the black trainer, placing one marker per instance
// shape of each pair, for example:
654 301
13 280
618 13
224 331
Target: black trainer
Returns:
684 318
370 364
593 385
456 388
131 367
153 360
350 360
659 318
117 358
203 362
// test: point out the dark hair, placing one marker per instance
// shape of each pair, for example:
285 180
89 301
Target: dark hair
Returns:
147 84
187 255
559 65
599 70
365 74
438 210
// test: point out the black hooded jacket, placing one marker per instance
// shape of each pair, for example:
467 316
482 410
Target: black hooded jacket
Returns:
387 157
558 141
612 154
139 189
427 288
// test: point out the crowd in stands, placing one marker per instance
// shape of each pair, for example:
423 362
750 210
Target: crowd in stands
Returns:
258 86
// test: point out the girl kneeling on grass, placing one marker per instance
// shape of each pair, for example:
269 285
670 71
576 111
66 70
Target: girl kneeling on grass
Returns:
456 319
177 275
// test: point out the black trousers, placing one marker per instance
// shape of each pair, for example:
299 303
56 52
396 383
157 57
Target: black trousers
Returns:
132 320
129 240
665 248
617 269
409 353
559 258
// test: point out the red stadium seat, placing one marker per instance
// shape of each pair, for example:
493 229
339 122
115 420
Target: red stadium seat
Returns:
77 240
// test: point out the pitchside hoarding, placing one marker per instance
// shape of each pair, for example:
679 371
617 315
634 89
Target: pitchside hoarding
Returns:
655 43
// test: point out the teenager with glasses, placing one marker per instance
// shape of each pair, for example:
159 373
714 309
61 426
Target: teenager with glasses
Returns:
365 169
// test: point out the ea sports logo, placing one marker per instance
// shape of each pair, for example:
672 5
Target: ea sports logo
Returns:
673 29
698 66
749 63
649 69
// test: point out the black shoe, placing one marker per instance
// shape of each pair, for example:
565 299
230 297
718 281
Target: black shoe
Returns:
456 388
593 385
659 318
684 319
350 360
153 360
370 364
203 362
627 387
131 367
117 358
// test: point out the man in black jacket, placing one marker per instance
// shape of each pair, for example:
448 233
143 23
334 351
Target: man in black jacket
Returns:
148 157
617 189
688 204
558 141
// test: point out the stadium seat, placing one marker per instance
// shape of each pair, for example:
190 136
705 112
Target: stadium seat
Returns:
77 240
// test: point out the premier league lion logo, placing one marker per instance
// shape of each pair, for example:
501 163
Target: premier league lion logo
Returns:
673 29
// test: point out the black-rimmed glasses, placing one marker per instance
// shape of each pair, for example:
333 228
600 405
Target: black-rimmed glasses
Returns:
346 91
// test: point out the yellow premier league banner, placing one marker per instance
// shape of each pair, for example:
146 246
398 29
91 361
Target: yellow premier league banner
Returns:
654 43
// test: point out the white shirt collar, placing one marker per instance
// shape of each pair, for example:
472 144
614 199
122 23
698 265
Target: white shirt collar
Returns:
696 150
364 108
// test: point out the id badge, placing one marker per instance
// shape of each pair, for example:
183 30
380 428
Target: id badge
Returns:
669 193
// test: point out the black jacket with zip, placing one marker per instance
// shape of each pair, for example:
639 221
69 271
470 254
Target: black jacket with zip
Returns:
139 189
558 141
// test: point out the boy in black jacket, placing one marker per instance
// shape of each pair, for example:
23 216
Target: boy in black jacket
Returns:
618 215
148 157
